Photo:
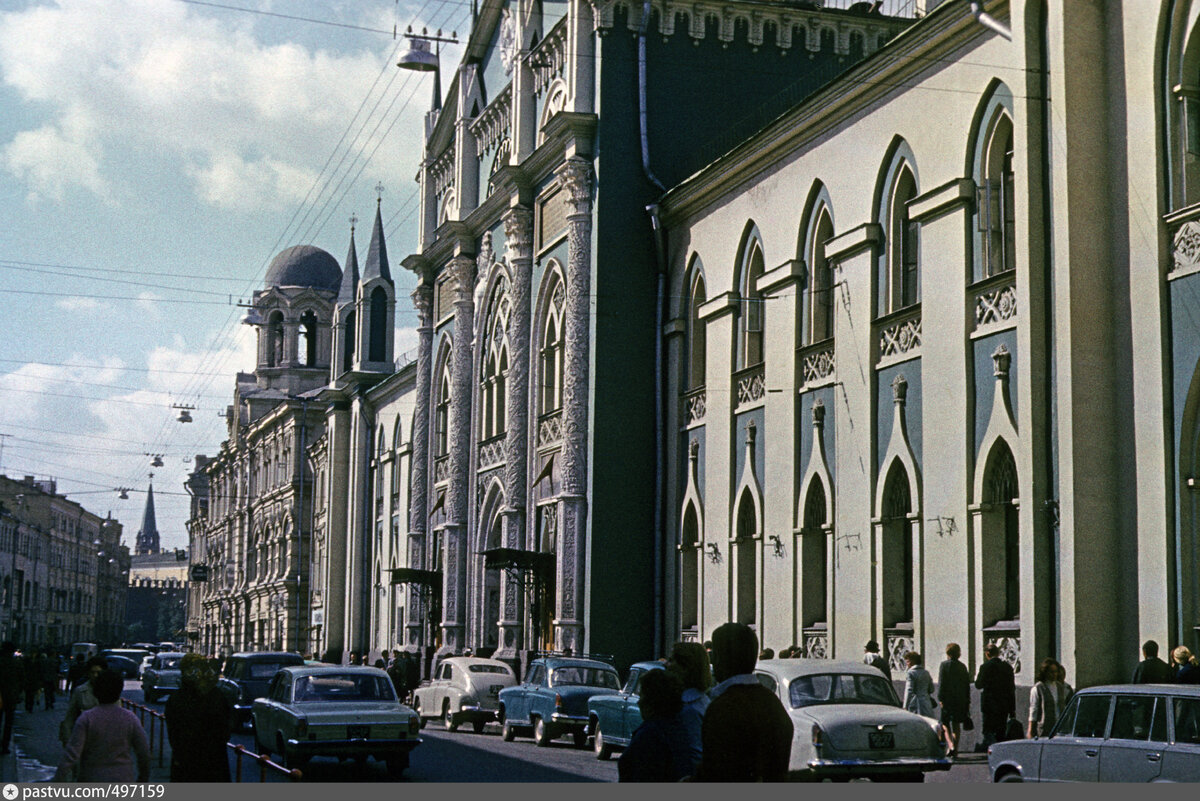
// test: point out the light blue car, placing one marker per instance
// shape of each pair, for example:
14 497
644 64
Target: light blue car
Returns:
612 719
552 701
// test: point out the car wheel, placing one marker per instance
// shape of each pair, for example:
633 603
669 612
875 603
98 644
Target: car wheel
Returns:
1011 776
396 765
603 750
542 733
507 732
448 718
478 726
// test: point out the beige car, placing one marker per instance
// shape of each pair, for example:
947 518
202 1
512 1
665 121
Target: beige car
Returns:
464 689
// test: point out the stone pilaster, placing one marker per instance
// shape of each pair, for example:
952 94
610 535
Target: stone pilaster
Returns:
291 333
457 496
418 515
518 238
575 177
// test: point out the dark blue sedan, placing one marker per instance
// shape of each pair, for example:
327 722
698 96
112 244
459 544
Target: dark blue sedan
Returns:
552 700
613 718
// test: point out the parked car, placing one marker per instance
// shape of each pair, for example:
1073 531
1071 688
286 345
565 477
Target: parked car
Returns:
342 711
145 663
122 664
247 677
552 701
464 690
136 654
162 676
612 719
1113 733
849 723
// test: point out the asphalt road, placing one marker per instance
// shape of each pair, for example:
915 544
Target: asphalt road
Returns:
443 756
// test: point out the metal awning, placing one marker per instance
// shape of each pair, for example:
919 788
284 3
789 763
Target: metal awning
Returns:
411 575
517 559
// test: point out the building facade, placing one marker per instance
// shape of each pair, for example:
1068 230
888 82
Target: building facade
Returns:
63 570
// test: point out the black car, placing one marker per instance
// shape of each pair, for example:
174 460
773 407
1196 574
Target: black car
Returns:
122 664
247 676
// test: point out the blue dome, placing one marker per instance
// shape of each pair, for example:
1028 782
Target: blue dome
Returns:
304 265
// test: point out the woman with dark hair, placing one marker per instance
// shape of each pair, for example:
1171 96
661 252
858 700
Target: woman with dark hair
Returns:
689 662
83 698
954 694
199 720
106 740
1048 698
660 749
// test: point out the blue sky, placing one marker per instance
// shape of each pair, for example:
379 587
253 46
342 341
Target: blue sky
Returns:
154 156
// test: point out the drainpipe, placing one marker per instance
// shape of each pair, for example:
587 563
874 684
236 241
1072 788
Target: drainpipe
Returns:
988 21
660 299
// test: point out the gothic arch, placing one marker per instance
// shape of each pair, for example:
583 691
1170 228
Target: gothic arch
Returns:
547 372
750 330
1188 546
696 334
897 275
816 307
990 165
486 585
491 357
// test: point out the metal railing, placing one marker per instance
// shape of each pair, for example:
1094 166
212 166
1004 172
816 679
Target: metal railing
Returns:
156 734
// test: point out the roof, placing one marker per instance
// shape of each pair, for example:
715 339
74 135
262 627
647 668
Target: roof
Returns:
1145 689
475 660
304 266
377 260
329 670
790 668
266 655
559 661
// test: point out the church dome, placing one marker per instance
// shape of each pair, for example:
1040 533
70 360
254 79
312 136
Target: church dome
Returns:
304 265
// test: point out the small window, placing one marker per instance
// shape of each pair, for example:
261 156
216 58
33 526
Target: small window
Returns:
633 683
1088 718
1187 720
1132 717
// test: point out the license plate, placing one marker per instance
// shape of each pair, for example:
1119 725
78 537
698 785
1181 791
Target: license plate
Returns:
358 732
881 739
494 690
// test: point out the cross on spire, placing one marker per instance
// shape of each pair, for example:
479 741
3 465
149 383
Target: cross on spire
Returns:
353 222
378 193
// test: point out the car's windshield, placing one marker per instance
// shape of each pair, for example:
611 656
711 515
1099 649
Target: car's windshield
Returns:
343 687
263 670
503 671
169 662
841 688
585 676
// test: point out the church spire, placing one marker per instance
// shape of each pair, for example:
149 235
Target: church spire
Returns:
147 536
349 288
377 261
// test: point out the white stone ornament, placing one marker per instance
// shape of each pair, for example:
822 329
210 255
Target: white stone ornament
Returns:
507 44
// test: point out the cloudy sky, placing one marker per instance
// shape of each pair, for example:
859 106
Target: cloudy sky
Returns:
154 156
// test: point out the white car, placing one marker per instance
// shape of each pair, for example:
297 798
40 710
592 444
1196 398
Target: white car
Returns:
464 690
1114 733
147 661
848 722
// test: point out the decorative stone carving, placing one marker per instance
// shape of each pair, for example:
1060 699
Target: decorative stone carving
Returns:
575 175
518 233
550 429
897 645
751 387
483 262
549 56
818 413
491 126
491 454
507 44
816 644
899 389
441 469
518 246
695 406
1010 647
1186 245
1001 360
996 306
901 337
819 365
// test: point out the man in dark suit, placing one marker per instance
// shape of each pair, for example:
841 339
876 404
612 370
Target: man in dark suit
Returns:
998 695
1152 670
747 734
872 657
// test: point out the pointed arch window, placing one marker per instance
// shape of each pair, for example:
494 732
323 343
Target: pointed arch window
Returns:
995 212
751 307
746 576
377 351
903 246
814 559
275 340
551 352
348 340
897 579
689 605
441 421
396 467
495 369
309 332
821 290
1001 538
697 335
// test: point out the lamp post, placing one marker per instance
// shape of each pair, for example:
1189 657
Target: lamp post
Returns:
418 58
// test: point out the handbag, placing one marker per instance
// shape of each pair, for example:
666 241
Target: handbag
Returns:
1013 730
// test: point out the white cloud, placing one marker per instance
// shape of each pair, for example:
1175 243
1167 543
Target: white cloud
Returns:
125 80
78 304
147 303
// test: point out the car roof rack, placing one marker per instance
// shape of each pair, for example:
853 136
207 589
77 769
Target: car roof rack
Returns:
608 658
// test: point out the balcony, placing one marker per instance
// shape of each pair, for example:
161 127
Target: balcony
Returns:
749 387
899 336
692 407
995 303
817 364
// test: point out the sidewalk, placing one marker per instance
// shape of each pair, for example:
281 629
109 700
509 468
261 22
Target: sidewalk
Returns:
35 750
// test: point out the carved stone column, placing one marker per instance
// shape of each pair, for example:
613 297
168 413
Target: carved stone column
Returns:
576 178
291 333
518 239
418 515
457 495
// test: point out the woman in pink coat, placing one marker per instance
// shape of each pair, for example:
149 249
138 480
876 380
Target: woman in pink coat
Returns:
108 743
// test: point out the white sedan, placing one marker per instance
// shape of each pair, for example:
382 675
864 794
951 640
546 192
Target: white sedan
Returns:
849 723
464 690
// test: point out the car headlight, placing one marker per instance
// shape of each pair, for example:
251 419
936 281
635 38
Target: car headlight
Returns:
818 738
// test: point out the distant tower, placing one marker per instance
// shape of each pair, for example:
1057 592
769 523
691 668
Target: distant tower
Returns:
147 536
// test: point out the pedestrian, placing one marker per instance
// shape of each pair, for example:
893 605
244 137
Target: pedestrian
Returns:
872 657
1048 699
954 695
766 653
689 662
11 677
918 686
1187 671
77 672
355 659
82 698
1152 670
31 677
661 748
747 734
199 722
998 696
106 740
48 667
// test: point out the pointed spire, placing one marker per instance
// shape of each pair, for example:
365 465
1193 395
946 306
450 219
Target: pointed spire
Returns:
377 262
147 537
349 286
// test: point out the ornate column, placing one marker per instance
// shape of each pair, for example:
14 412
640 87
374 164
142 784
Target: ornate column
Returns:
291 333
457 504
418 515
518 243
576 178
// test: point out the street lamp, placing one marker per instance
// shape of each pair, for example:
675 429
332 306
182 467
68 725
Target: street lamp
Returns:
418 58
